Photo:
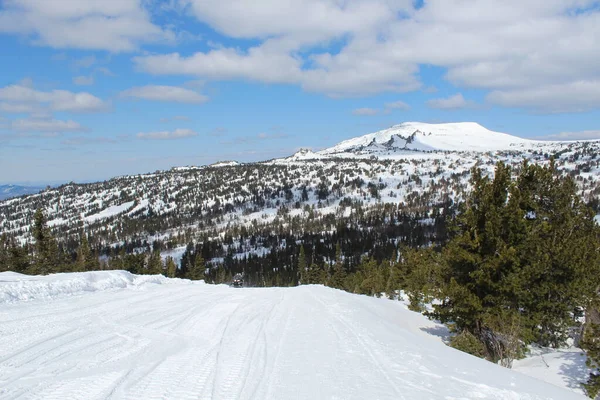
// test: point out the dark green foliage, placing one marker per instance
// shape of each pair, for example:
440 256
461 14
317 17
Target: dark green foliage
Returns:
338 275
302 266
47 258
591 344
155 264
196 271
4 253
465 341
522 262
86 259
171 267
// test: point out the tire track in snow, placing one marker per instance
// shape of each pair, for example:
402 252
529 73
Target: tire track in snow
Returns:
366 346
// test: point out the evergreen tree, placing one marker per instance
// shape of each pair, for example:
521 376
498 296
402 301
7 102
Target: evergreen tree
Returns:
47 258
196 271
523 259
591 344
86 261
302 266
155 264
338 276
18 259
171 267
4 253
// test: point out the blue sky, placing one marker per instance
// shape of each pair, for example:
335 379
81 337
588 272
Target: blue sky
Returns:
93 89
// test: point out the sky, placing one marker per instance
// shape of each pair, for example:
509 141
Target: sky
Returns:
92 89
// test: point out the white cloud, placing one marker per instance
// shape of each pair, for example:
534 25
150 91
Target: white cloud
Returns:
553 98
259 63
510 47
83 80
365 111
397 105
165 93
46 125
306 21
18 96
450 103
17 108
113 25
167 135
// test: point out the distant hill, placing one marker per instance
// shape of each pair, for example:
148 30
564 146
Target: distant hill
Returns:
9 191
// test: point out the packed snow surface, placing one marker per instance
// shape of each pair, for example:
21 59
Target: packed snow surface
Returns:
172 339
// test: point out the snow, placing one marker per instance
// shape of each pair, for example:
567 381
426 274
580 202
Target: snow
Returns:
16 287
562 367
109 212
176 340
224 164
463 136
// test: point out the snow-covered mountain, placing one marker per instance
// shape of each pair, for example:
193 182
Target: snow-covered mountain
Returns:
149 337
418 136
414 164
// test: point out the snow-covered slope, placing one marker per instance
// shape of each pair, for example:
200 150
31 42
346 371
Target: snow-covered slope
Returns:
194 341
464 136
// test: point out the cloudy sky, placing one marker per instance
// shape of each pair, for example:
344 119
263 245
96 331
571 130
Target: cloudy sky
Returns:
90 89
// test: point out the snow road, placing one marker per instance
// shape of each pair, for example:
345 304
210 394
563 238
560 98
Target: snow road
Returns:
170 339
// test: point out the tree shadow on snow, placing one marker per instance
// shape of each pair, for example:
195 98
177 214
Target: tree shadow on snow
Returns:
573 370
439 331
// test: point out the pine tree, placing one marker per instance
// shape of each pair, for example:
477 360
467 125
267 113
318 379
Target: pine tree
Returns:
18 259
338 276
196 271
85 259
4 253
155 264
302 266
525 251
171 267
47 258
591 344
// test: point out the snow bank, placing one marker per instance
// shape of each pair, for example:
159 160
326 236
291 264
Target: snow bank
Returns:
16 287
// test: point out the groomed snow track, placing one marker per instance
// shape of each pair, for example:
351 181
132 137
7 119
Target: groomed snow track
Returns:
169 339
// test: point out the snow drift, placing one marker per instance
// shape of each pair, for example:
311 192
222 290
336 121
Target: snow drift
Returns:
19 287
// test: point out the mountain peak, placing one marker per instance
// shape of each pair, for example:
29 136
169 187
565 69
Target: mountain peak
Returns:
420 136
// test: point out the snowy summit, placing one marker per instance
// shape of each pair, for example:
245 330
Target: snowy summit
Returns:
419 136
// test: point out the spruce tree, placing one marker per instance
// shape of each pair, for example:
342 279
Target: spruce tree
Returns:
84 261
4 253
525 251
171 267
196 271
47 258
155 264
302 266
338 276
591 344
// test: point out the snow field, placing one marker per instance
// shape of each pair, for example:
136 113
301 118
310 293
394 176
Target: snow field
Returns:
176 340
